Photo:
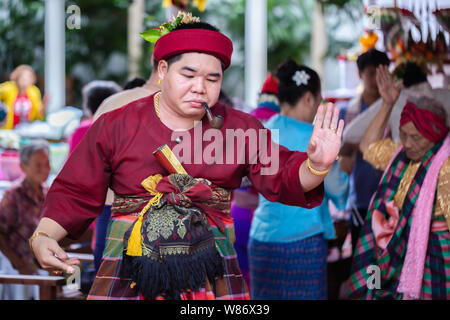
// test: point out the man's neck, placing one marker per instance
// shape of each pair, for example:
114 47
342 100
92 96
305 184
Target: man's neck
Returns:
175 121
369 97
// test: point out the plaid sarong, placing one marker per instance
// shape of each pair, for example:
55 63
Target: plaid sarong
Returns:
390 260
436 275
108 284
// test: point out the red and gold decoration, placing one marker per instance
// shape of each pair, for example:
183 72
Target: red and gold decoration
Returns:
183 4
397 25
368 40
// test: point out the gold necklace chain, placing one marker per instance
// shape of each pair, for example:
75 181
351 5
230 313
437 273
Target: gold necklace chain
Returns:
156 103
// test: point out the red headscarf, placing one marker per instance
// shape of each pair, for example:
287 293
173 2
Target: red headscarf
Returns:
194 40
429 124
270 85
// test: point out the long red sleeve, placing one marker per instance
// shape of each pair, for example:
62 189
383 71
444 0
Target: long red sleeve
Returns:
78 193
283 184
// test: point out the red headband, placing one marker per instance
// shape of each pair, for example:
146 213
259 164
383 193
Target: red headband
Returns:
194 40
429 124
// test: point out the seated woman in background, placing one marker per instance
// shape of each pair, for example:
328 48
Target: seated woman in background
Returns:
288 244
22 97
21 204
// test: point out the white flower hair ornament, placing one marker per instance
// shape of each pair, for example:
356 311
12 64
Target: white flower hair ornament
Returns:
300 77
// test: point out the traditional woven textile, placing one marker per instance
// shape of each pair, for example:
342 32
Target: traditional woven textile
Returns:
391 258
110 285
294 270
174 248
436 275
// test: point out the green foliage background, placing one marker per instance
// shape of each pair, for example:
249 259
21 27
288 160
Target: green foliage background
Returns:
103 34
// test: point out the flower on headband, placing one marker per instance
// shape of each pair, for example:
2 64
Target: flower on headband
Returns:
300 77
152 35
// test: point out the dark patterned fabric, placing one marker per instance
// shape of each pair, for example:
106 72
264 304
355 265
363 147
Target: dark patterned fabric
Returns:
178 248
436 274
289 271
20 210
110 285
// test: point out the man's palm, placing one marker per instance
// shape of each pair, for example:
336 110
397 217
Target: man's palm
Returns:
325 141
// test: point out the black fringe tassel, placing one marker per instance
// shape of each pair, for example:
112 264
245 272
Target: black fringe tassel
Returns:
174 273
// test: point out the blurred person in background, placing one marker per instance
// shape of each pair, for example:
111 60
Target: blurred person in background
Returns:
3 114
288 244
22 97
134 83
93 94
364 177
412 78
20 207
245 199
126 96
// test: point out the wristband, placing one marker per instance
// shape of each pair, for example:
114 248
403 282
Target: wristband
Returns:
37 234
316 172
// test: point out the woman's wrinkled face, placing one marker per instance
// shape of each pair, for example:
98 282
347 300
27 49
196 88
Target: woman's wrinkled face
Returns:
193 79
38 167
415 144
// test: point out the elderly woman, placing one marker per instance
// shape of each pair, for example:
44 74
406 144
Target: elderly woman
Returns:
403 251
20 208
22 97
184 247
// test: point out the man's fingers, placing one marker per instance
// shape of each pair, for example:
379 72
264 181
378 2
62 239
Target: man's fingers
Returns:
72 261
318 121
54 258
340 128
52 263
335 119
58 251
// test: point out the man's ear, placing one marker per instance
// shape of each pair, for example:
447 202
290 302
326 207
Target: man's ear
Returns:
22 167
163 67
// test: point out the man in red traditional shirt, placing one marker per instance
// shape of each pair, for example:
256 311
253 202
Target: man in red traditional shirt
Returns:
117 154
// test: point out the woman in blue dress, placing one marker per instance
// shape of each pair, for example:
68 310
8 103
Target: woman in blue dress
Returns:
288 244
